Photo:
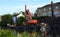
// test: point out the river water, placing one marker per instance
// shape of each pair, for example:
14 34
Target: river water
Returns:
36 34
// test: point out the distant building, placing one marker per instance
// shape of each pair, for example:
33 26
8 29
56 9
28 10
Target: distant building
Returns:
21 15
46 10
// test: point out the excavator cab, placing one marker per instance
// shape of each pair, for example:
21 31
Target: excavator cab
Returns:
29 19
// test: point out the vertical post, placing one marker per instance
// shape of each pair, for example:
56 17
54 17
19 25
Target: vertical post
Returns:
25 8
25 20
25 13
52 22
52 8
53 19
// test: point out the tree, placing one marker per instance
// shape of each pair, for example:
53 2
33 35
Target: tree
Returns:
7 18
22 12
15 13
20 20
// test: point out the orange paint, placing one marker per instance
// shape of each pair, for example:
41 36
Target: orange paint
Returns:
30 21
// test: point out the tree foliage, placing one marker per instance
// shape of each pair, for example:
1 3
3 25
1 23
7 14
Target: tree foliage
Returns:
20 20
7 18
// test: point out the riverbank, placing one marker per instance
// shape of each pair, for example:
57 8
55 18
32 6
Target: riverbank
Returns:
6 33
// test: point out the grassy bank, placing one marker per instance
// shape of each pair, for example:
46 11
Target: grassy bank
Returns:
27 34
6 33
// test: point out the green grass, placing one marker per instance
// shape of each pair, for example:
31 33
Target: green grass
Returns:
27 34
10 33
6 33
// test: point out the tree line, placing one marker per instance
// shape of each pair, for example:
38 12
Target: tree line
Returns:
7 19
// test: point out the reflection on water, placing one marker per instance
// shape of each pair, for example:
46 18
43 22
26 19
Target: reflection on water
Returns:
35 34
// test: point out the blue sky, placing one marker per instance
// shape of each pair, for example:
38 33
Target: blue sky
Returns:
11 6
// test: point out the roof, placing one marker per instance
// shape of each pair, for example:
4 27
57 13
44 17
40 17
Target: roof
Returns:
58 3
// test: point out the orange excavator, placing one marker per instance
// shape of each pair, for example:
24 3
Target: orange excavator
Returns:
29 19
